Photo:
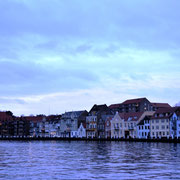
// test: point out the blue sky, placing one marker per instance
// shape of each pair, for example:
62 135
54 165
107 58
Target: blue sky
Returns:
58 56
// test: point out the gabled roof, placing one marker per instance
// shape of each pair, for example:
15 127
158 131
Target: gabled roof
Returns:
113 106
145 118
160 105
99 108
34 118
72 113
162 113
131 101
131 116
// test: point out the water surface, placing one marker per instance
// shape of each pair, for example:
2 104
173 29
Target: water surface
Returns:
89 160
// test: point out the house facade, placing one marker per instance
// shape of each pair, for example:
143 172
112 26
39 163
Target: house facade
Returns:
108 127
143 128
81 133
95 121
124 125
69 123
6 124
162 124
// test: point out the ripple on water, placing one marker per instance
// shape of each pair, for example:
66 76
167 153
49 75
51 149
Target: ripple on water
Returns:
89 160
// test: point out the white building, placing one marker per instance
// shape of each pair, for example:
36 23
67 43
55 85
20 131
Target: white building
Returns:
81 131
124 125
143 128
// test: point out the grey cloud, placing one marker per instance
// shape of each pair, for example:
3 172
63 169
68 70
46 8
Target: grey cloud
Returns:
30 78
83 48
145 23
11 101
50 45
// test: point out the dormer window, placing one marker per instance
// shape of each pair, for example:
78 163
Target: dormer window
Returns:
161 115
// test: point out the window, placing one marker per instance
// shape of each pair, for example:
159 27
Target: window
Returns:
153 133
160 133
161 115
152 127
163 127
163 133
167 120
162 120
167 133
152 121
167 127
157 121
157 127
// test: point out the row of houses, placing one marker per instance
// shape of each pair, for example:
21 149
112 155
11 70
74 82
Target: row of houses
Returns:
134 118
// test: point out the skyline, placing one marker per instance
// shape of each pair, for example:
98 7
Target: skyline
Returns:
57 56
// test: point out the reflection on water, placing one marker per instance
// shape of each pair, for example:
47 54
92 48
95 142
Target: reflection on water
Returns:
89 160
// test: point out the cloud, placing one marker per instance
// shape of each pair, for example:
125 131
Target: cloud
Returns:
123 50
12 101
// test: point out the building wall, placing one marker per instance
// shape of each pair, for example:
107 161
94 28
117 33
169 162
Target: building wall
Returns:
117 127
160 128
91 126
143 131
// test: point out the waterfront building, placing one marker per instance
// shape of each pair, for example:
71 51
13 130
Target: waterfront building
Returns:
178 124
143 127
52 125
6 124
156 106
137 105
175 118
108 127
95 121
162 124
124 125
36 128
21 127
82 131
132 105
70 121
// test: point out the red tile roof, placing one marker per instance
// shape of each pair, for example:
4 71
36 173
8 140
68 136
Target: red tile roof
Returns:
112 106
160 105
34 118
163 113
133 116
5 116
131 101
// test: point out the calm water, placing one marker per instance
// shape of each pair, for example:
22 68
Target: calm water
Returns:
89 160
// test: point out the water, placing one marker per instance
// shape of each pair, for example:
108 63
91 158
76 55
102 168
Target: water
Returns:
89 160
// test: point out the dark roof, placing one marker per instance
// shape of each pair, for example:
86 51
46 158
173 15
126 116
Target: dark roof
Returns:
131 101
113 106
160 105
34 118
97 108
163 113
131 116
5 116
73 113
145 118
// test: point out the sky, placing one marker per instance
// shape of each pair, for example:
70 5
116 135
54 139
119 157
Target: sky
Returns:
68 55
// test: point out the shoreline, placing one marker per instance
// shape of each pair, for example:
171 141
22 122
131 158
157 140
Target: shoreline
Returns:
86 139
